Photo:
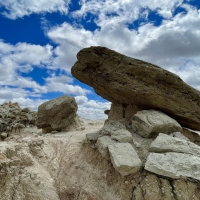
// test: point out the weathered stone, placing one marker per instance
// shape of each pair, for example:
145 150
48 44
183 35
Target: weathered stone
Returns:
174 165
192 135
125 80
93 136
102 145
124 158
57 114
122 135
4 135
117 131
179 135
26 110
14 118
149 123
165 143
106 112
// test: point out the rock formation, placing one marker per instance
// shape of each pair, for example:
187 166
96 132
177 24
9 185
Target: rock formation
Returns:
13 118
57 114
131 82
144 133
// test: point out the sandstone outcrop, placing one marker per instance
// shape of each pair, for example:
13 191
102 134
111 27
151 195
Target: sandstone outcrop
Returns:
57 114
13 118
127 81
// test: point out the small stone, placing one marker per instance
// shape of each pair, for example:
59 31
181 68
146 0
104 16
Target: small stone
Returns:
4 135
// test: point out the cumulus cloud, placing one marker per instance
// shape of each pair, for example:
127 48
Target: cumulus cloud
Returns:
91 109
20 8
172 45
110 12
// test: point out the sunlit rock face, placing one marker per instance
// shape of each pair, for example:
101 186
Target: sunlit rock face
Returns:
128 81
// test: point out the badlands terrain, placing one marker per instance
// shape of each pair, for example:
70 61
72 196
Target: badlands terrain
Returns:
147 149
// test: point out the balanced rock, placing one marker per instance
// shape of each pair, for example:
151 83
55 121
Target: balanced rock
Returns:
129 81
174 165
165 143
124 158
148 123
57 114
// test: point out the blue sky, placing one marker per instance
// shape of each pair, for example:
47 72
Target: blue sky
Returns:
39 41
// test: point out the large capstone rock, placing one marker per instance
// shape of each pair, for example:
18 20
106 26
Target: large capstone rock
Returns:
129 81
174 165
149 123
165 143
57 114
124 158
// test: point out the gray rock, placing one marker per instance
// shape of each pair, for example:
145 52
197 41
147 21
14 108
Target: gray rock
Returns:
102 145
57 114
165 143
148 123
122 135
174 165
4 135
93 136
130 81
179 135
124 158
117 131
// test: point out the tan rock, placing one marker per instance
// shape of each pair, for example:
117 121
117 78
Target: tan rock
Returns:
57 114
125 80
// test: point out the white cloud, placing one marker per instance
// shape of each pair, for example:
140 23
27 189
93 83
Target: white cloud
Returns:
91 109
20 8
110 12
171 45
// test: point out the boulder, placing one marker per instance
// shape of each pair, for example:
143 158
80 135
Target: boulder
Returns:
57 114
130 81
124 158
165 143
149 123
102 145
174 165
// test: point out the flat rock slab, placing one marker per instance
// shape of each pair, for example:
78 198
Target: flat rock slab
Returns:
117 131
122 135
124 158
129 81
174 165
149 123
165 143
102 146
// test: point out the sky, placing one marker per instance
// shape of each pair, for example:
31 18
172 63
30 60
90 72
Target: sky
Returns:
39 40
